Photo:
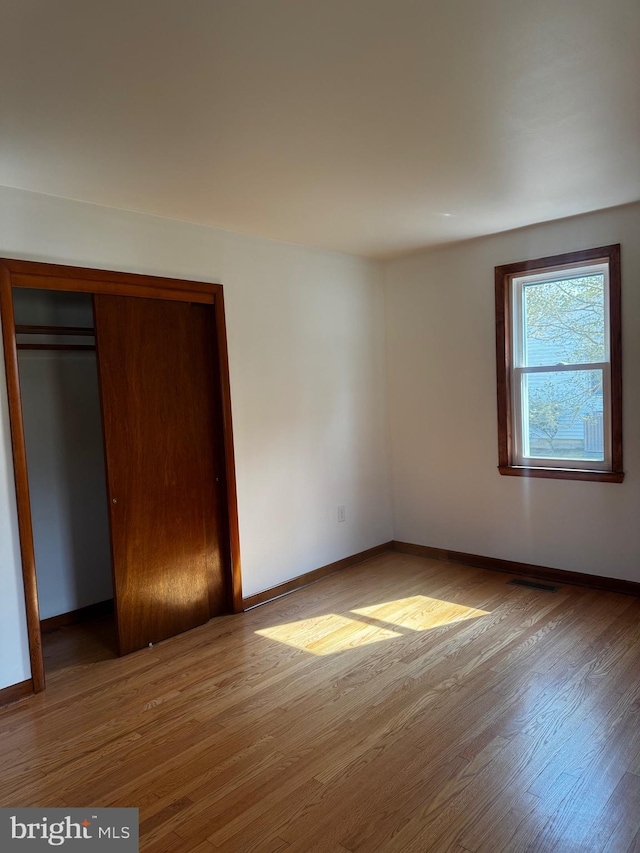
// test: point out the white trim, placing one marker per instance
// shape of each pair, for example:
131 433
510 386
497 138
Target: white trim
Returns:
562 367
518 370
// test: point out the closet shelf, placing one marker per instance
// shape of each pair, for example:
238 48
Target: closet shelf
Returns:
54 330
57 346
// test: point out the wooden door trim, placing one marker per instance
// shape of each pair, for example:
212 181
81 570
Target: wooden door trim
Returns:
23 502
25 271
32 274
113 288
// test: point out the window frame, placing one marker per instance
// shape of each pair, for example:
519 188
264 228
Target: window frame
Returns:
506 276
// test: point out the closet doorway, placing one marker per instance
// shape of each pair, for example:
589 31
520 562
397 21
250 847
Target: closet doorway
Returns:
163 395
62 422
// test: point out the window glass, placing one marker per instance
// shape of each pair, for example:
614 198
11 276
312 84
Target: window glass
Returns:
563 415
564 321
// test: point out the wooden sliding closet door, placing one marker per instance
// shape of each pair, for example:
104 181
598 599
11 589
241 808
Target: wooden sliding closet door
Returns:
155 361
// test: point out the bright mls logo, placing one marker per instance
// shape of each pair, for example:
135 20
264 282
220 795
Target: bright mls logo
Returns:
70 829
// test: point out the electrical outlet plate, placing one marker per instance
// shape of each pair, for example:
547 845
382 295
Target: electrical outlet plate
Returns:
342 513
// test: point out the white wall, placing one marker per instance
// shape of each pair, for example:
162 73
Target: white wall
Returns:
306 349
65 458
447 491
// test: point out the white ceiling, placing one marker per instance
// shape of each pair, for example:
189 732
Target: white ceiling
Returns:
367 126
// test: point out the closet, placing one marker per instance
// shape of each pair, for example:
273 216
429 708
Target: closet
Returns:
122 445
65 455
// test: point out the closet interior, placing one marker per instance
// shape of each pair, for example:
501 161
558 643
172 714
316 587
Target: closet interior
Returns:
66 470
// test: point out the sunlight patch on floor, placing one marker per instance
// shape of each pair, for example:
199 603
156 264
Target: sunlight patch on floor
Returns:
324 635
419 613
331 633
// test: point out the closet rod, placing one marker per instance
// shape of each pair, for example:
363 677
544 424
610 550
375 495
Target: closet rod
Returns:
54 330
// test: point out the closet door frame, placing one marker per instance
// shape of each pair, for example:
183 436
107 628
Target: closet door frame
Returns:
31 274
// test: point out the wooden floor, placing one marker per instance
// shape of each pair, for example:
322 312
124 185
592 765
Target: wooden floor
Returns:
403 705
86 643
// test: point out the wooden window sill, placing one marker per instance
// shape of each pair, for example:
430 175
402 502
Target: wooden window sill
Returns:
562 473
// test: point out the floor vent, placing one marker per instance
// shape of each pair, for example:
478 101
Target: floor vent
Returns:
534 585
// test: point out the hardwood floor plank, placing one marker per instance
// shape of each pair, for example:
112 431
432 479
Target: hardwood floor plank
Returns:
612 828
568 827
634 847
405 705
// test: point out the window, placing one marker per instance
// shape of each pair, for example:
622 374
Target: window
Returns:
559 366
